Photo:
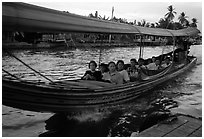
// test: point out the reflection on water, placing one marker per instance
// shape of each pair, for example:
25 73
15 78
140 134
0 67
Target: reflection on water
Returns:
183 95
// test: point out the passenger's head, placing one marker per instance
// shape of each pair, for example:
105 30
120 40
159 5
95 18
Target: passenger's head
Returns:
169 57
157 62
149 61
133 62
120 65
103 67
167 60
92 65
141 61
112 66
153 59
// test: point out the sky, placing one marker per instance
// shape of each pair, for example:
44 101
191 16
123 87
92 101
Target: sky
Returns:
150 11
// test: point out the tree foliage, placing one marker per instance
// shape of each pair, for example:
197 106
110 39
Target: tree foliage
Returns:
167 22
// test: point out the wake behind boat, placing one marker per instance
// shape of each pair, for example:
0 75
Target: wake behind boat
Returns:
77 95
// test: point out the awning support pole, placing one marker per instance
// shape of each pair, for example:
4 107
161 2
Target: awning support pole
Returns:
99 59
174 45
140 55
163 43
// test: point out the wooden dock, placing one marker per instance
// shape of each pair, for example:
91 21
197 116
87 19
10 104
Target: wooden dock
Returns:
182 126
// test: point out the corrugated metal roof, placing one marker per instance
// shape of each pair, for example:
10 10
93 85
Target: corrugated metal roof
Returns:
30 18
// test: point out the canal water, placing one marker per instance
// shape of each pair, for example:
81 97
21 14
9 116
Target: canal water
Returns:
180 95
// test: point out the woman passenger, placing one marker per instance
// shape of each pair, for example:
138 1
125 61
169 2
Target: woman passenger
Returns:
166 63
92 74
122 71
113 76
103 68
154 66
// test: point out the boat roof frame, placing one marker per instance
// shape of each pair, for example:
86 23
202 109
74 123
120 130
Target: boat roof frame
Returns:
17 16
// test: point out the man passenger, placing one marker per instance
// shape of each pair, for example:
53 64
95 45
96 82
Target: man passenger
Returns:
133 70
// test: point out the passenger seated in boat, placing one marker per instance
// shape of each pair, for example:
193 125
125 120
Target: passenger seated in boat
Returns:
182 51
153 59
148 61
133 70
92 74
122 71
113 75
141 64
166 63
103 68
154 66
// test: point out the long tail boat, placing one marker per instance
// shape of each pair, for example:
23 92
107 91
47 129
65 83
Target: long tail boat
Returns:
76 95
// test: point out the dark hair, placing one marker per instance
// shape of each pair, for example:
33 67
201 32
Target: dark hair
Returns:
93 63
134 60
111 63
141 59
120 61
167 58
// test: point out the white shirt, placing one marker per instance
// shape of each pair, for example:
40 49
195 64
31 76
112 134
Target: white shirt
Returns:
152 66
115 77
125 76
133 72
165 65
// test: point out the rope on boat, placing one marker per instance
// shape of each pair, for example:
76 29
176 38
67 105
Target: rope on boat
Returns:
29 67
11 74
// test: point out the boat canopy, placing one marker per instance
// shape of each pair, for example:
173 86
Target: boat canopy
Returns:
25 17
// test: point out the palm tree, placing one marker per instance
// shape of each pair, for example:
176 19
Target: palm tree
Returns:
135 22
177 25
143 22
157 25
170 15
162 23
91 15
147 24
182 19
139 23
152 25
103 18
194 20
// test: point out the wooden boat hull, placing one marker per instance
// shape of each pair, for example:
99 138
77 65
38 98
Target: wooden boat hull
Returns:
67 97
